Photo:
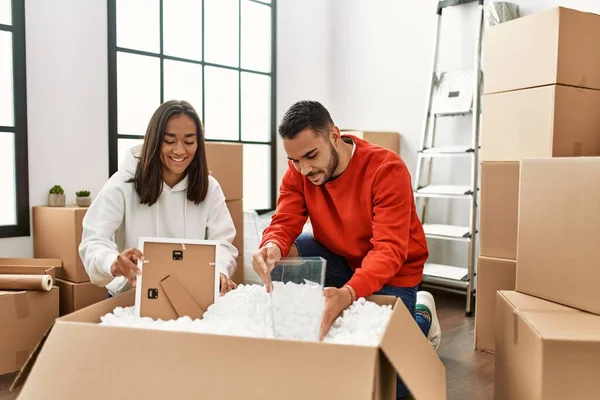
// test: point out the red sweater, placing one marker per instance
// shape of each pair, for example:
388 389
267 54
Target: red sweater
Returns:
366 215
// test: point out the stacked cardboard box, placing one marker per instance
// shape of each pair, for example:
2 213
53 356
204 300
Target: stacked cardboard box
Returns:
25 315
225 164
389 140
541 99
541 102
57 234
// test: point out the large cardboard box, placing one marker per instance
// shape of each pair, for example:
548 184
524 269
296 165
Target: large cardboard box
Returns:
545 351
24 318
75 296
57 234
559 225
236 209
499 209
493 274
52 264
554 46
389 140
549 121
180 365
226 165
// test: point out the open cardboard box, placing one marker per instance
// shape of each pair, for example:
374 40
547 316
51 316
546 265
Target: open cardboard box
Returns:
104 362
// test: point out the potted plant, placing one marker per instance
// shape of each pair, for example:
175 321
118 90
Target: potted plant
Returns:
56 196
83 198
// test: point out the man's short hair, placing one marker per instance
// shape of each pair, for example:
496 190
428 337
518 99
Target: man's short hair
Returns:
305 115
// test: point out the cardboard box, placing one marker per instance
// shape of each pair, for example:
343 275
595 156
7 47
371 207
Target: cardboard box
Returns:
238 275
75 296
499 209
24 318
544 350
493 274
226 165
559 222
389 140
236 209
550 121
57 234
554 46
26 266
295 369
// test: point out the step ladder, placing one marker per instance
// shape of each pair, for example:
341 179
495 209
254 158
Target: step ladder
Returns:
451 94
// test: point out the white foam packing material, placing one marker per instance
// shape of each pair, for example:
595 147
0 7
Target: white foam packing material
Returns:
246 311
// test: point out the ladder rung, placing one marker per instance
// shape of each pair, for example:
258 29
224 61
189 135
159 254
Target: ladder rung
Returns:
445 151
447 232
453 113
444 191
446 272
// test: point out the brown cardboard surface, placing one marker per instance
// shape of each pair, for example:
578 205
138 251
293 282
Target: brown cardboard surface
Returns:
295 370
180 299
28 270
57 234
226 165
499 209
75 296
559 221
236 209
238 275
195 272
549 121
24 317
389 140
549 47
493 274
545 350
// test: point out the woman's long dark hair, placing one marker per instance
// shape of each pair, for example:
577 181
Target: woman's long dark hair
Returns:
148 179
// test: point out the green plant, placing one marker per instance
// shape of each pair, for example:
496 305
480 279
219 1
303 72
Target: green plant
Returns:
57 189
82 193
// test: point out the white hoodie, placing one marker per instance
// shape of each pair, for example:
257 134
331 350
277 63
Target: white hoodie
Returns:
116 219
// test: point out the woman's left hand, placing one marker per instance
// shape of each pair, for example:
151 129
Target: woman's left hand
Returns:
227 285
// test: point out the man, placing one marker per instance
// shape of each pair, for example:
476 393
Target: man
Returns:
361 206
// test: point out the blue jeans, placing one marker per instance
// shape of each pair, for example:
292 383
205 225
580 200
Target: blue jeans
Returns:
339 272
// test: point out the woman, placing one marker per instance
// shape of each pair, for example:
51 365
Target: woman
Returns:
162 189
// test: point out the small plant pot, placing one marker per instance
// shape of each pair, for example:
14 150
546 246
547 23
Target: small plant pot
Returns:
84 201
56 200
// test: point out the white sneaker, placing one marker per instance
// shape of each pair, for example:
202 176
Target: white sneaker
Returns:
427 303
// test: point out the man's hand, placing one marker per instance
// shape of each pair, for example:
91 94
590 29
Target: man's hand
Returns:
227 285
126 265
336 301
264 260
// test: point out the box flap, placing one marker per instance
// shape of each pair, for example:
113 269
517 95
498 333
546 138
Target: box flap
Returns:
412 356
26 369
48 262
28 270
178 365
180 299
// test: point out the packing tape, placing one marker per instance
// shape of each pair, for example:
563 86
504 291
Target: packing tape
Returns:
21 305
21 357
577 149
515 328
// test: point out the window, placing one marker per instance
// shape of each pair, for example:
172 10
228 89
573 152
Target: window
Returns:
14 202
216 54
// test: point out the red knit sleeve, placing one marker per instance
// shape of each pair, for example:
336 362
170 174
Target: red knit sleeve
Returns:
392 208
290 215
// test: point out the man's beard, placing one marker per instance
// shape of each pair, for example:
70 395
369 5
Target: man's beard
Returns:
333 164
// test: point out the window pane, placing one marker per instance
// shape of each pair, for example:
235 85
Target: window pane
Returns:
182 31
221 32
183 81
5 12
8 200
124 145
6 80
256 36
138 92
256 107
222 97
257 176
138 23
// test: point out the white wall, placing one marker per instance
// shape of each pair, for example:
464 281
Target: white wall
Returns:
67 94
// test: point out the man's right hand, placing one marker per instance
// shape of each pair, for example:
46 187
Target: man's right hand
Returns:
126 265
264 260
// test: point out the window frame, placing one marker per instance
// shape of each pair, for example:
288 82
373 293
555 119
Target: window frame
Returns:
17 27
113 49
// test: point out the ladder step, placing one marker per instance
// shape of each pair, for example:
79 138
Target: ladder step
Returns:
446 271
447 232
444 191
445 151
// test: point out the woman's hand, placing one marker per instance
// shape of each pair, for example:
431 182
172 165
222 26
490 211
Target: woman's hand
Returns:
126 265
227 285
